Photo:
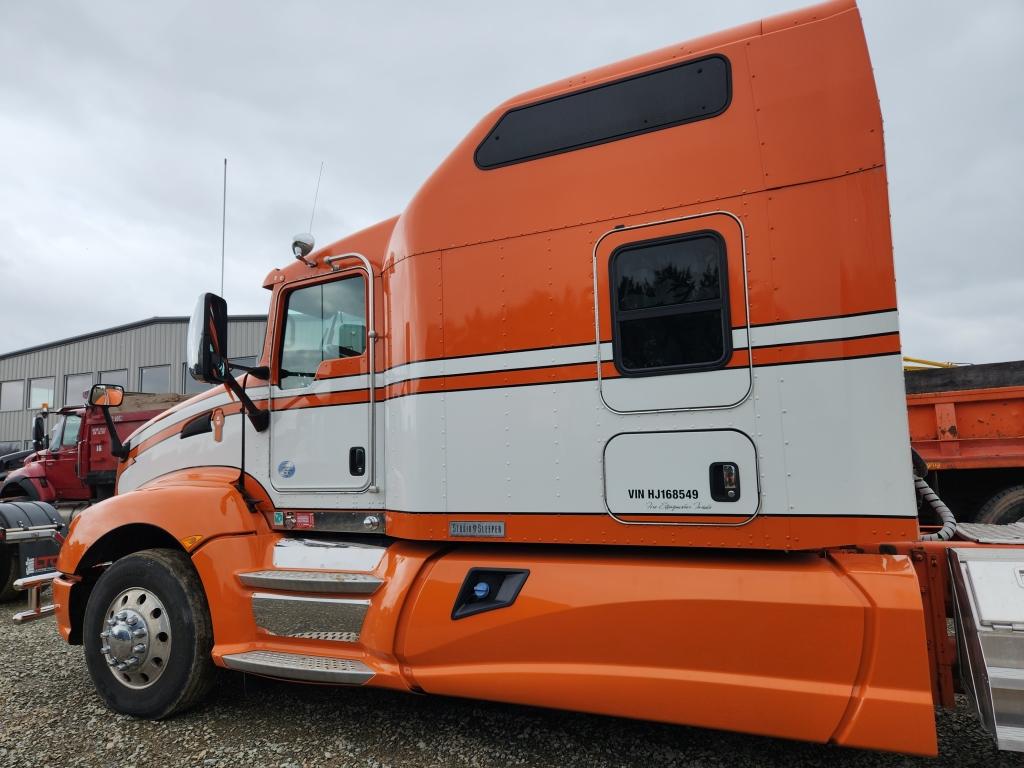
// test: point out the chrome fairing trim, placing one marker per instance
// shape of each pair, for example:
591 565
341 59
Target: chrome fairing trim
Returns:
317 618
312 581
326 555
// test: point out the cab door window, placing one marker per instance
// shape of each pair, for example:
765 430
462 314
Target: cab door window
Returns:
72 426
322 322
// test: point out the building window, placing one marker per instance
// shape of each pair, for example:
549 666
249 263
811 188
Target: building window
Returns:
192 387
683 93
119 377
40 392
155 379
249 361
189 385
76 388
670 308
12 396
323 322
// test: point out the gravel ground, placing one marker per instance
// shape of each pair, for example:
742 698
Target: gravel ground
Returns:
49 715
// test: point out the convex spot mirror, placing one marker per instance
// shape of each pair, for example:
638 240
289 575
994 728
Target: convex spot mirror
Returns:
208 340
106 395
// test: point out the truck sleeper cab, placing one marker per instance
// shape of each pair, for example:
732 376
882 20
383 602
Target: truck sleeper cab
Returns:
567 431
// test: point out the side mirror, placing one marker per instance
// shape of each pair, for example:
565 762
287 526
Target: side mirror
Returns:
106 395
208 340
39 432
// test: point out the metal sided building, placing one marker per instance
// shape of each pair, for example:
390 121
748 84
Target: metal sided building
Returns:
145 356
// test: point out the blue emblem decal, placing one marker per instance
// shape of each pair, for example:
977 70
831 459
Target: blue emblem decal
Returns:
286 468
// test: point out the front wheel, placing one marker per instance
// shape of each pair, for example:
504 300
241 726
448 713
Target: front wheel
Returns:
147 635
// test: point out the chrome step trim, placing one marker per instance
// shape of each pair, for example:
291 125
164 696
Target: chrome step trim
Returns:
312 581
327 618
326 555
293 666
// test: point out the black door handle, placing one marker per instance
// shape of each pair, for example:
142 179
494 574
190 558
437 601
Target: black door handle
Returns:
357 461
725 481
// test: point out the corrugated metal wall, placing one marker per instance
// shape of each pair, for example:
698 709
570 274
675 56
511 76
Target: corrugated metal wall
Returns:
157 342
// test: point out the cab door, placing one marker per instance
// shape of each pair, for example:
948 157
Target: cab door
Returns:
320 400
673 326
62 460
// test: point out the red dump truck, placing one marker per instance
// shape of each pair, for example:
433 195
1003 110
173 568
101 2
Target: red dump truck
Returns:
967 423
75 468
78 466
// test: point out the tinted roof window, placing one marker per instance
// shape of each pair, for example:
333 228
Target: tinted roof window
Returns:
649 102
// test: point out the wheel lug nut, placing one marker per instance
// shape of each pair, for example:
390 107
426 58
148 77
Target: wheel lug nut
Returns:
122 667
122 615
140 632
133 620
132 661
140 648
111 622
104 635
105 649
111 661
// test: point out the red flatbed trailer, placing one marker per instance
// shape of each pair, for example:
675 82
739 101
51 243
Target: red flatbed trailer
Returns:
967 423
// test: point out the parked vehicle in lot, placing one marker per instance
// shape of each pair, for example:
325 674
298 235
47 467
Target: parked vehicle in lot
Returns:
967 423
77 465
9 462
610 418
14 460
30 534
71 468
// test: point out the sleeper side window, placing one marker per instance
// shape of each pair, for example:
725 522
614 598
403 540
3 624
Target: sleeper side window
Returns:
322 322
670 308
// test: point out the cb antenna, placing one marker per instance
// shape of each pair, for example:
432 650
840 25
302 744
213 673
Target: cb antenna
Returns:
223 224
316 195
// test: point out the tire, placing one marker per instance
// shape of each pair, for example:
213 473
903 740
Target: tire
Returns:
157 592
1007 506
8 573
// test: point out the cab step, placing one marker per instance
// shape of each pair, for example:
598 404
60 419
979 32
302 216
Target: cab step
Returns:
294 666
332 582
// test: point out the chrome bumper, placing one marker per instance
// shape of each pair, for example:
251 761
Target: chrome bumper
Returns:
34 585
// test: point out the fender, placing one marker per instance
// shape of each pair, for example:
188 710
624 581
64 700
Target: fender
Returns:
25 481
191 506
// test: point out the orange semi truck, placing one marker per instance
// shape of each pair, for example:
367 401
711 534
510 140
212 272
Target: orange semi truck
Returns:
611 418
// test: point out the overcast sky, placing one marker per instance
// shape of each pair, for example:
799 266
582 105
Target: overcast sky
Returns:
115 119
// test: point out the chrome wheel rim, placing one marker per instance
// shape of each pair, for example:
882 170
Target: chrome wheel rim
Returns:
135 640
